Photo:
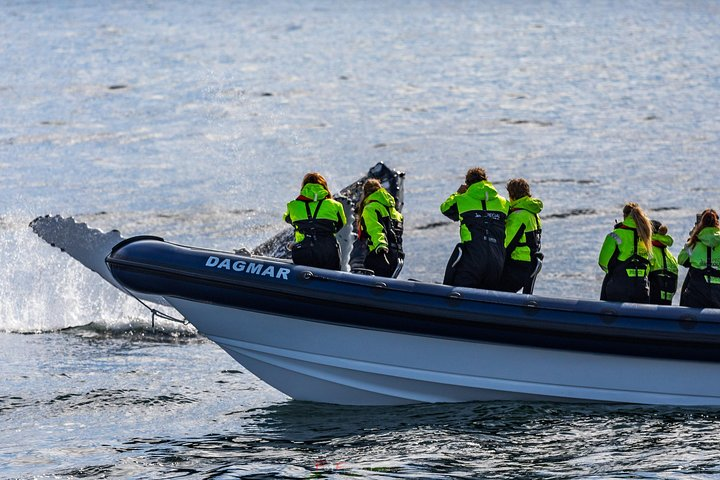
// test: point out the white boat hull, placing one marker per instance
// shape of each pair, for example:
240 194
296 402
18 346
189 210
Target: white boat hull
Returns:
325 362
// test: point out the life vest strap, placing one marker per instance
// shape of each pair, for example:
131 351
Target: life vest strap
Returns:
710 273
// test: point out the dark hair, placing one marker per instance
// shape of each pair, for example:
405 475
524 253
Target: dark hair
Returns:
314 177
371 186
642 223
518 188
658 227
475 175
708 218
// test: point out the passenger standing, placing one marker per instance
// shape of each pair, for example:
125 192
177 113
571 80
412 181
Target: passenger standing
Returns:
625 258
380 225
663 275
316 218
478 259
523 230
702 257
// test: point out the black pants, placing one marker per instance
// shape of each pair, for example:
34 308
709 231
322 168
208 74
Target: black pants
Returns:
476 264
516 274
320 252
383 265
698 293
618 287
662 287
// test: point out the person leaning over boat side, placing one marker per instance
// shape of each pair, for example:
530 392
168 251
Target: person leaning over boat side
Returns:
701 255
380 226
625 258
477 261
663 276
316 218
523 229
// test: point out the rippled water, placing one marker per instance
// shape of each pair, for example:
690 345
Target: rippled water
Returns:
141 405
196 121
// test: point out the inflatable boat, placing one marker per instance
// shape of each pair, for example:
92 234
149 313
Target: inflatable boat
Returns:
348 338
345 338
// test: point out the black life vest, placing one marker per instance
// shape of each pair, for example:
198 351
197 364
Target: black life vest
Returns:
313 227
485 225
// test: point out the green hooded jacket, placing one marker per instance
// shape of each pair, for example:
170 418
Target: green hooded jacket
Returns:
662 257
522 219
314 211
618 245
467 206
696 256
379 215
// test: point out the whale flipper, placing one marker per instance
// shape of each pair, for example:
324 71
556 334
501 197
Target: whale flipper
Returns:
89 246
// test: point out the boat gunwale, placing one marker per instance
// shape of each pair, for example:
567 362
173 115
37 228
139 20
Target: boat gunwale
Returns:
499 320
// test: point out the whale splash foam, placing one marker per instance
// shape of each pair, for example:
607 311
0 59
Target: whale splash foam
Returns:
44 290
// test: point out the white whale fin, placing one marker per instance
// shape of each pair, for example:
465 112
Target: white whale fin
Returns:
89 246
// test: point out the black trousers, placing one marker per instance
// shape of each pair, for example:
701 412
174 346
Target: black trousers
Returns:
383 265
618 287
662 286
698 293
476 264
516 274
320 252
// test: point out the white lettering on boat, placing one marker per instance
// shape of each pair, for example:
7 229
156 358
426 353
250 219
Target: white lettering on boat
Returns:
252 267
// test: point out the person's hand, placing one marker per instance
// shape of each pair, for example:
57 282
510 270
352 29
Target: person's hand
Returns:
381 250
462 188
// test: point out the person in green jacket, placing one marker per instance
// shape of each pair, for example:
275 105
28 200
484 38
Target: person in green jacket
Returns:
702 257
477 261
625 258
380 226
663 274
316 218
523 230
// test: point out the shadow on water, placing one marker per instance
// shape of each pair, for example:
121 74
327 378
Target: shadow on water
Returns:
502 439
307 421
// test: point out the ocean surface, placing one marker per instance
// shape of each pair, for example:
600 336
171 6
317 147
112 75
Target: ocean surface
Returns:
196 121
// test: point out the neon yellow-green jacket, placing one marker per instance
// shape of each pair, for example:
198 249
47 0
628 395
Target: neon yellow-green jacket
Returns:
697 255
523 228
314 213
479 207
619 246
662 257
381 223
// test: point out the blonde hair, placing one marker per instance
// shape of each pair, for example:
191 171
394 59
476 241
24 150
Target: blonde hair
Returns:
642 223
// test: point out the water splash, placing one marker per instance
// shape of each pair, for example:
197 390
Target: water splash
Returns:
42 289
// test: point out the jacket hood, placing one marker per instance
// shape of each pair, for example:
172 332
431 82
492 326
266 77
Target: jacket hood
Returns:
483 190
710 236
381 196
531 204
665 240
313 192
628 222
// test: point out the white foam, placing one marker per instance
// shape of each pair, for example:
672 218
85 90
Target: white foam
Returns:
42 289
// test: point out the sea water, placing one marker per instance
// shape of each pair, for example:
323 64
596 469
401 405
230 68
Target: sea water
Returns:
195 121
